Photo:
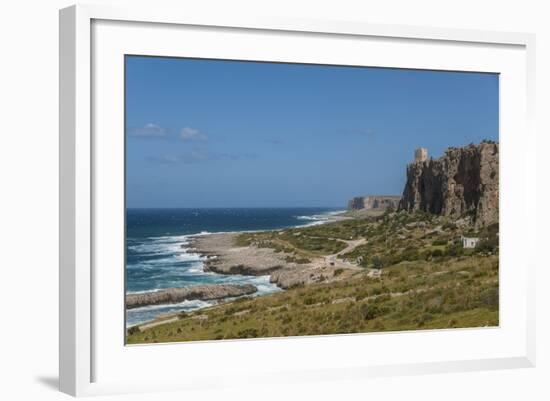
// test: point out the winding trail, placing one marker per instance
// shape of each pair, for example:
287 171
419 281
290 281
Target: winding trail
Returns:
333 260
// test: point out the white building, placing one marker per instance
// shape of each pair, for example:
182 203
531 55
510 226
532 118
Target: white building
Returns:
469 242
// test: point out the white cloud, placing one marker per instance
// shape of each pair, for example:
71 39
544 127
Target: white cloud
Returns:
149 131
192 134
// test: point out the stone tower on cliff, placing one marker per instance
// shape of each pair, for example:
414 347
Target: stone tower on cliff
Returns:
463 182
420 155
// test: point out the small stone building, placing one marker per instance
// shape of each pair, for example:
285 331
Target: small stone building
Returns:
469 242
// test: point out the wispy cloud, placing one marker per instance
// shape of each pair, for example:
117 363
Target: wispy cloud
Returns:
199 156
150 130
188 134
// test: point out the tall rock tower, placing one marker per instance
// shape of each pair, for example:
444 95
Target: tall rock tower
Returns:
420 155
462 182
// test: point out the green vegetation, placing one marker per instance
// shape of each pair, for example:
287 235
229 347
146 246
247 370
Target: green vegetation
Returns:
426 281
405 237
303 243
459 293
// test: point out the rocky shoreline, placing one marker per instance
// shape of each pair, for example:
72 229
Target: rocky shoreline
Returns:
202 292
224 257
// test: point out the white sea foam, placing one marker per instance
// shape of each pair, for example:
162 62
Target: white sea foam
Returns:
185 305
320 218
196 269
144 291
173 256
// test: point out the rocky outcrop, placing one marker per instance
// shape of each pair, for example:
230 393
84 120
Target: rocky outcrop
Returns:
224 257
374 202
356 203
175 295
463 182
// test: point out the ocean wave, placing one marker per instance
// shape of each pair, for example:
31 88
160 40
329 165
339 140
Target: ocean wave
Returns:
171 261
157 248
314 217
147 313
174 248
180 260
144 291
336 212
185 305
169 238
196 269
318 219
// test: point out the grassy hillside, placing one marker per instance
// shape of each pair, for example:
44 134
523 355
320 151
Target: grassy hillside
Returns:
427 281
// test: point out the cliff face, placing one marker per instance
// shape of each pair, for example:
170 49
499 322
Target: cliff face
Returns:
374 202
463 181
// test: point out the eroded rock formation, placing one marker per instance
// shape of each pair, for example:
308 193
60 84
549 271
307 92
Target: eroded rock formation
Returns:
462 182
175 295
374 202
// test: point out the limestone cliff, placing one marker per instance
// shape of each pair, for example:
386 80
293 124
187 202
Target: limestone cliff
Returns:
462 182
374 202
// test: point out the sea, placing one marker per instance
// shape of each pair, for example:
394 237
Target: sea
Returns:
157 255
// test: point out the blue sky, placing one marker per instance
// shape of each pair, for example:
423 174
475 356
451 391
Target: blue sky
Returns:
210 133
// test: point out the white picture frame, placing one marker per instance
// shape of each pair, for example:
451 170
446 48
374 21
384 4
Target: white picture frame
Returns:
82 216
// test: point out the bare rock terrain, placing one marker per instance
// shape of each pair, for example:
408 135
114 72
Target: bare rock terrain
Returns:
175 295
225 257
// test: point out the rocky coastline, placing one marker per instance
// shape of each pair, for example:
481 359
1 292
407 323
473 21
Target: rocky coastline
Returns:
201 292
224 257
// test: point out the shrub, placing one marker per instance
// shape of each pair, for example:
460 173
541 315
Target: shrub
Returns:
455 249
426 317
133 330
377 262
489 244
410 255
450 226
286 319
248 333
371 311
489 298
452 323
437 253
379 326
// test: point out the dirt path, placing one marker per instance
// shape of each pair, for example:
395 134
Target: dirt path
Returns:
352 244
333 260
